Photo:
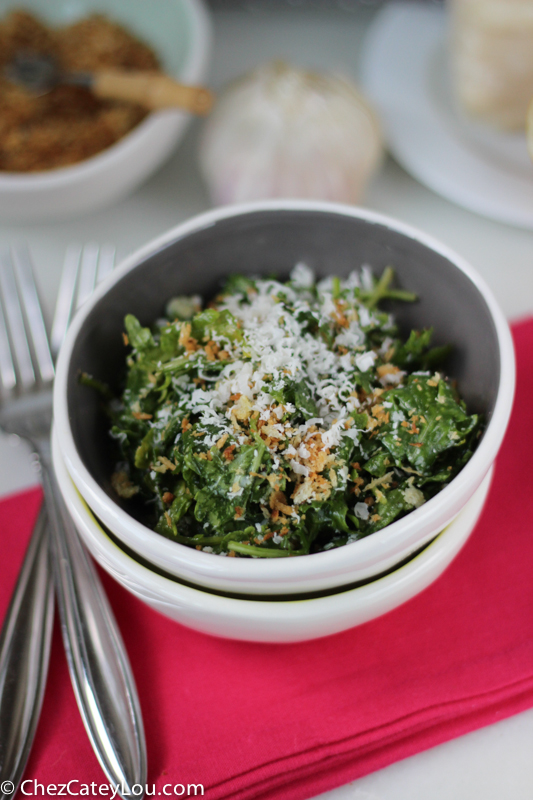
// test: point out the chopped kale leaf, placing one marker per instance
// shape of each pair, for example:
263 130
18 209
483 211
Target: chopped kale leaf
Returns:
285 418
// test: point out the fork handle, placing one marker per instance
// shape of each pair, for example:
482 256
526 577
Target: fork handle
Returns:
152 90
24 656
99 668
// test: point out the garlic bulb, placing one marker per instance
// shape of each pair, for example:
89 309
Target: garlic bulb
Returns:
283 132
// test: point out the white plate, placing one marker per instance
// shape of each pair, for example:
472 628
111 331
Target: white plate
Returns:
269 620
405 75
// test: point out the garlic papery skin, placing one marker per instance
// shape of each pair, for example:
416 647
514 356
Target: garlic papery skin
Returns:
284 132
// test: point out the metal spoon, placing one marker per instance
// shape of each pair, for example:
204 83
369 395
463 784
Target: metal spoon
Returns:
39 74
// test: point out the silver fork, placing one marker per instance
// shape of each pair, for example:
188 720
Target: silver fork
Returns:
98 664
83 268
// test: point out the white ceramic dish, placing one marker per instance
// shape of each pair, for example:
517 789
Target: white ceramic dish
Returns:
180 33
405 74
206 237
278 621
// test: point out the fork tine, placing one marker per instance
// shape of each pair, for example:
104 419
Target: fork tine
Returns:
8 376
15 321
106 263
65 297
89 266
34 314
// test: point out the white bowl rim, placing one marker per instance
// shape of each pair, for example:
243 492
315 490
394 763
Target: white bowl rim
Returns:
193 70
303 611
430 517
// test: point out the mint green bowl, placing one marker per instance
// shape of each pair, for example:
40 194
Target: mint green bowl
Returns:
180 33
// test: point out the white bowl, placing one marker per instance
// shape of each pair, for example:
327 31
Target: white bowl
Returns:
180 33
278 621
452 296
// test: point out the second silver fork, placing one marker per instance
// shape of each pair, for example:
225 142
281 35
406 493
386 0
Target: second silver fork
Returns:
99 668
83 268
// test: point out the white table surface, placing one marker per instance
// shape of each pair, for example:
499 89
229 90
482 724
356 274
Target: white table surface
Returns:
494 763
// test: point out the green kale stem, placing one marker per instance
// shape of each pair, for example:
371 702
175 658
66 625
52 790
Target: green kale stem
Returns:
194 540
93 383
263 552
381 291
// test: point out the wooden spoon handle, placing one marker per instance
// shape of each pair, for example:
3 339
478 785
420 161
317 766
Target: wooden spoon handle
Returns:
152 90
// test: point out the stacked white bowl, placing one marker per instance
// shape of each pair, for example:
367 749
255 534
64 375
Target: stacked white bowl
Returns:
308 596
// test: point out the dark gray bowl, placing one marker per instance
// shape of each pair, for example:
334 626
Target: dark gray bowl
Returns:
272 238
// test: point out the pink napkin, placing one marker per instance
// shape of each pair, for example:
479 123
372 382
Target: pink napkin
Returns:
286 722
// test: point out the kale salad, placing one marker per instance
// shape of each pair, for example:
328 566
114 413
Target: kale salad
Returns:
285 418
